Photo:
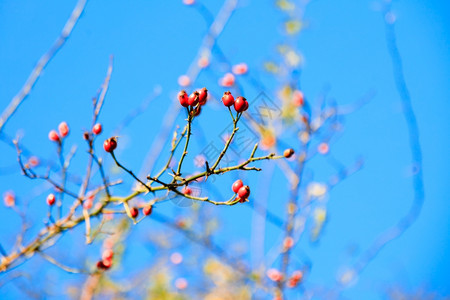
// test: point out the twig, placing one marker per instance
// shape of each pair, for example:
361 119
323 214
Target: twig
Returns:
42 63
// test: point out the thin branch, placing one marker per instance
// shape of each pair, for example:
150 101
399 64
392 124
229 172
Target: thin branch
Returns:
42 63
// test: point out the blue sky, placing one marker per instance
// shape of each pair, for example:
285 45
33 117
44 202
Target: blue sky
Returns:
344 46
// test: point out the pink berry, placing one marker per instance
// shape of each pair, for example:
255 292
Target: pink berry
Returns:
33 161
203 94
107 263
237 185
240 69
110 144
274 275
193 99
53 136
9 199
203 62
188 2
107 254
244 192
51 199
184 80
323 148
147 210
241 104
183 98
63 129
227 99
227 80
97 129
187 191
288 243
298 98
87 204
297 275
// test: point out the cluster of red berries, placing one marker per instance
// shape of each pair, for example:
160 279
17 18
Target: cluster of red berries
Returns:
106 262
196 100
240 104
242 191
63 129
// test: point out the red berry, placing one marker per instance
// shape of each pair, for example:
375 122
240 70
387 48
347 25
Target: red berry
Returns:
53 136
183 98
87 204
203 95
147 210
134 212
298 98
227 99
107 254
297 275
51 199
237 185
110 144
244 192
288 152
240 104
227 80
107 263
9 198
187 191
193 99
101 264
63 129
97 129
288 243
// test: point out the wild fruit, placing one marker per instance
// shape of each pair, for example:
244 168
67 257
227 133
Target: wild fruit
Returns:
288 152
187 191
53 136
244 192
147 210
110 144
193 99
134 212
298 98
237 185
183 98
63 129
227 99
107 254
97 129
202 96
51 199
241 104
9 199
